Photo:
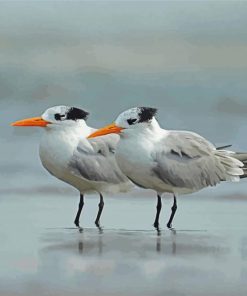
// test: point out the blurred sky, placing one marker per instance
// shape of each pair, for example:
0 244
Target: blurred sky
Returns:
188 58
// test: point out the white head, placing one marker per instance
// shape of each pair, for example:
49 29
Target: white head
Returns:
57 116
131 120
136 117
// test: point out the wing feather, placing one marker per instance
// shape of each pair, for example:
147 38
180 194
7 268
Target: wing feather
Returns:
186 160
94 160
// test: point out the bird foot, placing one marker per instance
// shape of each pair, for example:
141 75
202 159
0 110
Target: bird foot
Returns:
156 225
169 226
98 226
77 224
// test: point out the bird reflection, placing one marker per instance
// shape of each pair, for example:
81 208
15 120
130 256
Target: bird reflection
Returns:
136 243
100 229
103 242
100 244
158 242
80 247
174 245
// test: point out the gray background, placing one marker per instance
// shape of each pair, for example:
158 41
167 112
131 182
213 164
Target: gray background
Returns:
188 59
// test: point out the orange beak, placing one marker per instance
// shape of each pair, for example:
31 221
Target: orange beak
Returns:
34 121
109 129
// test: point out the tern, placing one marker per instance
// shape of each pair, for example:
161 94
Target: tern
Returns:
168 161
67 154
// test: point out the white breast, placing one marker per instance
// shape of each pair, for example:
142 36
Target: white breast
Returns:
56 149
59 148
134 159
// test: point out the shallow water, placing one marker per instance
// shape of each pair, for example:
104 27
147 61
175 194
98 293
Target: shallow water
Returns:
189 61
42 253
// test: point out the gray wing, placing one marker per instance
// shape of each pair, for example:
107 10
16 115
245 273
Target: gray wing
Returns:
94 160
186 160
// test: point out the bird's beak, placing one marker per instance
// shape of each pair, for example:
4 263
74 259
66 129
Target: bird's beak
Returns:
109 129
34 121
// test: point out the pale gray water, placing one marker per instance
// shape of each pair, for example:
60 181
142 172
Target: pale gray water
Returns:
186 58
40 254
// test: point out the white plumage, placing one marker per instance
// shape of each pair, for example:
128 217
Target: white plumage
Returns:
65 151
178 162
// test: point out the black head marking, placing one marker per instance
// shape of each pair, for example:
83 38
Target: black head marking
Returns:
146 114
76 113
131 121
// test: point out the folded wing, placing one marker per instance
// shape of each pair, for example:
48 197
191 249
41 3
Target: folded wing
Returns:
94 160
187 160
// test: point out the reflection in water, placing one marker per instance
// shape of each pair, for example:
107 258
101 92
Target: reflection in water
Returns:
173 236
99 245
100 237
143 261
158 243
173 239
63 261
80 247
90 242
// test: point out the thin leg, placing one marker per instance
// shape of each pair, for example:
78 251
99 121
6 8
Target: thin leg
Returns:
81 204
101 206
158 207
174 209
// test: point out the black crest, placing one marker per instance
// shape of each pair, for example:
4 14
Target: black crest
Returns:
146 113
76 113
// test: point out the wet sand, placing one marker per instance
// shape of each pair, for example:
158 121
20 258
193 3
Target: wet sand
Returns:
41 253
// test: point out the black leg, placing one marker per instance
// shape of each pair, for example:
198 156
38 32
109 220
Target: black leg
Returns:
101 206
173 208
158 207
81 204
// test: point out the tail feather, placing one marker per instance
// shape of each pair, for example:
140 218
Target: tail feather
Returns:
242 156
232 166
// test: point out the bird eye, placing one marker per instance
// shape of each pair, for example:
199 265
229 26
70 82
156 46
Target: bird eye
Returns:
58 116
131 121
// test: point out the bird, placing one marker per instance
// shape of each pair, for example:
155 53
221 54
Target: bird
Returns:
169 161
66 153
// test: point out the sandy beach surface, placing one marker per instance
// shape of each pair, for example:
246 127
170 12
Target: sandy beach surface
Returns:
41 253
